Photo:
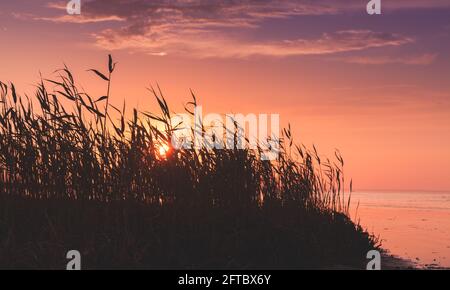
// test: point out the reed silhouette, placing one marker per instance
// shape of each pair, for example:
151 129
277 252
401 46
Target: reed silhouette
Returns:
82 179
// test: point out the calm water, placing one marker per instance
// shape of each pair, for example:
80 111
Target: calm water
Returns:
412 225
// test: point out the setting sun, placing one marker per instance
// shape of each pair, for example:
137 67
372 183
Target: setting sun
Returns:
162 150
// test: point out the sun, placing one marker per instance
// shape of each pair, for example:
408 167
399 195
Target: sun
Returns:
162 150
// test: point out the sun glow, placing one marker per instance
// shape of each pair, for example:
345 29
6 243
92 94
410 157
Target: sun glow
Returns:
162 150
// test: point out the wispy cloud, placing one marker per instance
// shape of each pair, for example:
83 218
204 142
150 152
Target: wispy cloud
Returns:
204 45
225 12
197 13
423 59
213 28
80 19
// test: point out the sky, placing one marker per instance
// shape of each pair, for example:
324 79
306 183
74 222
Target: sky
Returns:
376 87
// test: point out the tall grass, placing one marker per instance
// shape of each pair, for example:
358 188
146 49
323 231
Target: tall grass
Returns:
92 178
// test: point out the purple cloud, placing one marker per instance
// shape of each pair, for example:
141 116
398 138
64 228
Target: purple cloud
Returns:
424 59
210 45
201 27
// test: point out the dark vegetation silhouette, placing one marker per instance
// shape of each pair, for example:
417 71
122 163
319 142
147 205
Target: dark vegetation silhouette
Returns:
82 179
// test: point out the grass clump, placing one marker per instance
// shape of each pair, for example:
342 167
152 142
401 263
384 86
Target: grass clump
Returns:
81 179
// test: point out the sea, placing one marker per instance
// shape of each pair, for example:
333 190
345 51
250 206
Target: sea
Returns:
411 225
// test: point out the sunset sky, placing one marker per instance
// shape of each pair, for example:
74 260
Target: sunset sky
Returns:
375 87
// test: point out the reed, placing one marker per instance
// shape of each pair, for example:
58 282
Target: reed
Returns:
75 172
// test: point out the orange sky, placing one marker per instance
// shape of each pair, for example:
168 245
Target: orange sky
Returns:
377 88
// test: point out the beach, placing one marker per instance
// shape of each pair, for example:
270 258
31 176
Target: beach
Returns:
412 225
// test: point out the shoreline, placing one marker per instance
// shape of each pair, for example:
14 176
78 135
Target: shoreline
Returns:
392 262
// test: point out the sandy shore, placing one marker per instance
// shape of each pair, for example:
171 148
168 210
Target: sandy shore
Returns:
390 262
